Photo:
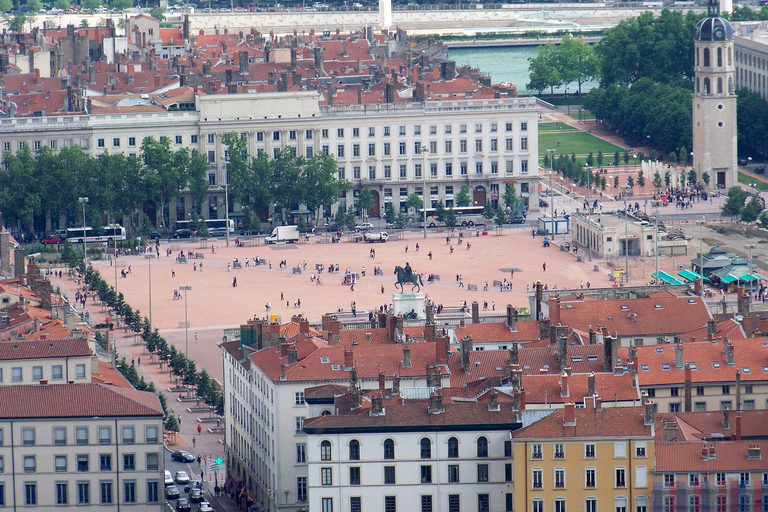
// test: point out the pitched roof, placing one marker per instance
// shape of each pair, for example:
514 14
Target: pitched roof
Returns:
415 416
729 328
658 314
591 423
500 332
686 456
699 425
317 360
76 401
54 329
546 389
42 349
110 376
656 363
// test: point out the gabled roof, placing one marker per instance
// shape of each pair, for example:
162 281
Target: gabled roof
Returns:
702 425
729 328
499 332
43 349
76 401
547 389
656 363
659 314
414 416
54 330
685 456
606 423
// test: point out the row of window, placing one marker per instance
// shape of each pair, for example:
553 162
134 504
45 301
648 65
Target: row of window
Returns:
419 149
83 463
57 373
425 472
29 435
619 450
724 404
448 170
742 503
425 448
590 504
721 478
590 478
83 493
425 503
701 390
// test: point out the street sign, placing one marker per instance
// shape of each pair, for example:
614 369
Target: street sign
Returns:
213 467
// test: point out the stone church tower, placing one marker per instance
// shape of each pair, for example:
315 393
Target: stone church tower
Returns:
714 101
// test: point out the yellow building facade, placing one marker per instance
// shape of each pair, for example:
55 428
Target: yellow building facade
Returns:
595 459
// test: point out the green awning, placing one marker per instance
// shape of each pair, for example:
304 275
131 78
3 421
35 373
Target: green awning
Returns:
728 279
758 276
690 275
667 277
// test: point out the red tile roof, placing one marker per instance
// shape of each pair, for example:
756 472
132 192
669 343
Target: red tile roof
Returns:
50 330
110 376
658 314
694 426
750 356
730 329
605 423
369 360
76 401
415 416
685 456
41 349
499 332
542 389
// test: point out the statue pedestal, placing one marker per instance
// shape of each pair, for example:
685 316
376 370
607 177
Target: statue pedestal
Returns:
403 303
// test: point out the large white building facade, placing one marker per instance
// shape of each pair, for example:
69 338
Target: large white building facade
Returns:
84 446
390 148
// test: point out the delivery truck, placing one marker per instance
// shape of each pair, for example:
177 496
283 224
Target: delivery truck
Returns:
283 234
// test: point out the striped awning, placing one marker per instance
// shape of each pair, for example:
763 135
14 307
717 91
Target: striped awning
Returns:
667 277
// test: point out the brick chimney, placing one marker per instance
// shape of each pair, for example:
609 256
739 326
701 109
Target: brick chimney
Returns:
569 418
292 355
512 317
591 384
679 355
382 381
406 356
304 326
688 397
283 348
395 385
738 426
475 312
436 403
649 407
377 409
441 350
738 390
466 349
726 419
513 353
494 403
554 310
357 398
728 352
564 390
711 329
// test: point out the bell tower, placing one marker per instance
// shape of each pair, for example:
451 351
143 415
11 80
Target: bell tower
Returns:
714 101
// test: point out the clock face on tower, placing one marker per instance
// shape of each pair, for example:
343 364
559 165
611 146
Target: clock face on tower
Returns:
719 34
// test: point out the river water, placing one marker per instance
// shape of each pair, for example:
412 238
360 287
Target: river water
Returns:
509 64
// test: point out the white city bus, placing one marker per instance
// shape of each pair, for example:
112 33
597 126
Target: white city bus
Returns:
110 232
466 216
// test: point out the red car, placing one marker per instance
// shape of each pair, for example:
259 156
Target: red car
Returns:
52 239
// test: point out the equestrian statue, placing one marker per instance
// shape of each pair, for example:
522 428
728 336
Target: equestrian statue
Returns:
406 276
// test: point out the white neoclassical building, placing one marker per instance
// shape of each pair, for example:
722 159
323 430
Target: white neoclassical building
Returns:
84 446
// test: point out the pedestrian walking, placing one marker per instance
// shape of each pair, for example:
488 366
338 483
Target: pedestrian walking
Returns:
544 266
430 255
382 288
229 267
194 442
173 273
406 248
199 429
234 282
138 361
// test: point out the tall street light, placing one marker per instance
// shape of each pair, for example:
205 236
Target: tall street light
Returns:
752 280
701 223
424 154
626 242
551 154
84 200
149 258
589 213
186 288
226 197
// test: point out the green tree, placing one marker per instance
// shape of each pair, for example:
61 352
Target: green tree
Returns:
62 4
673 157
600 158
751 211
510 196
6 5
91 5
763 220
705 178
630 182
450 218
667 178
735 202
641 180
542 69
157 13
120 4
488 211
615 183
389 213
17 21
616 159
691 177
657 179
590 159
500 218
626 157
321 183
440 211
414 201
166 171
364 201
602 183
463 199
20 194
34 6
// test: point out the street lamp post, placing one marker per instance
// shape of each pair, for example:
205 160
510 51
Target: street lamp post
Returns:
424 186
149 257
701 223
185 289
626 242
84 200
226 200
551 153
752 280
589 213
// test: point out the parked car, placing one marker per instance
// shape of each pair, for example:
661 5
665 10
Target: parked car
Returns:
183 505
365 226
183 456
182 477
193 484
154 235
218 232
51 239
168 478
196 496
172 492
205 507
334 228
517 219
183 233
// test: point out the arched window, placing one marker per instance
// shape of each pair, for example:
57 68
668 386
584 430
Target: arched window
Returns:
425 446
453 448
730 85
325 413
720 57
706 86
389 449
720 85
354 450
698 84
325 450
482 446
706 56
697 56
730 57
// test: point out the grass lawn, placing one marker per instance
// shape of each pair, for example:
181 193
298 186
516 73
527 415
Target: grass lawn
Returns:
582 160
580 143
743 178
553 127
584 116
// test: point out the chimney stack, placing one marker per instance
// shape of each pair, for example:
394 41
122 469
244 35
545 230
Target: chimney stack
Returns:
570 414
292 355
466 348
475 305
382 381
591 384
441 350
283 348
738 426
512 317
649 407
564 391
377 409
554 311
738 390
679 355
349 361
406 356
728 352
357 398
726 419
711 329
494 404
688 397
436 403
395 385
